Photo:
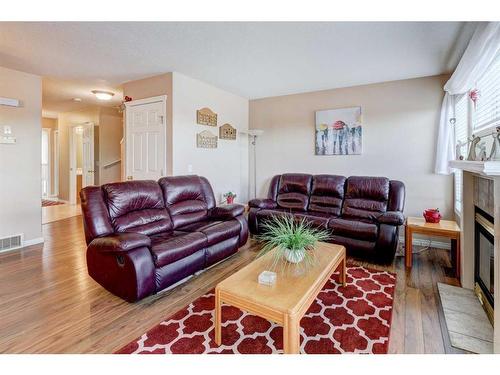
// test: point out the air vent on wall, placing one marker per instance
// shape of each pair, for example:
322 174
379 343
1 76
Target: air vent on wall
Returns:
11 243
9 102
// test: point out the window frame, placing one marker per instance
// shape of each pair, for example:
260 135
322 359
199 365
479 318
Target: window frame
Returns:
469 108
486 127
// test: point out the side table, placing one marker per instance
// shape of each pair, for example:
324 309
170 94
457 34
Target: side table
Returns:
445 228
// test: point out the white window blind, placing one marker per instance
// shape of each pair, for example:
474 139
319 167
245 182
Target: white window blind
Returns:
461 134
487 113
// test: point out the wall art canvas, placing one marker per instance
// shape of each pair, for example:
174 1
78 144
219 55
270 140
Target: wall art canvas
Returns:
339 132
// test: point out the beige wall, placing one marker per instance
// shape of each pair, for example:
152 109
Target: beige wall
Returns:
20 186
155 86
66 121
49 123
110 135
108 132
226 167
399 131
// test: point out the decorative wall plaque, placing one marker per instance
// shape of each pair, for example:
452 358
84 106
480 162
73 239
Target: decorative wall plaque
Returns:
206 116
206 139
226 131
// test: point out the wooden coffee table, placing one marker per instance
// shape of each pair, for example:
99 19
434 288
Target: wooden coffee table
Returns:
286 301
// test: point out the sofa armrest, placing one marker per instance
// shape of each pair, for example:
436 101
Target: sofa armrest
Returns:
227 212
392 218
263 203
120 242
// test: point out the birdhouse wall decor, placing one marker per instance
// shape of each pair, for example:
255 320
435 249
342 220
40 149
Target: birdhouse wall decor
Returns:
206 139
226 131
206 116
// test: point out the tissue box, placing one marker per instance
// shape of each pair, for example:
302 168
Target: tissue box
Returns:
267 278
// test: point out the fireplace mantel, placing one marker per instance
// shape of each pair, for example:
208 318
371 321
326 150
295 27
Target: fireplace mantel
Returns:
483 168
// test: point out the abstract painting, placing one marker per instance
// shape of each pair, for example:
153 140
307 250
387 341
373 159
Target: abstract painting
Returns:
339 132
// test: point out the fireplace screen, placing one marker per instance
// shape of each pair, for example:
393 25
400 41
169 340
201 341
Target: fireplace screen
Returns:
484 250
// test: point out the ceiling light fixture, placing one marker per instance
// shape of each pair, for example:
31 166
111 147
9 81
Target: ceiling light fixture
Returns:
77 100
103 95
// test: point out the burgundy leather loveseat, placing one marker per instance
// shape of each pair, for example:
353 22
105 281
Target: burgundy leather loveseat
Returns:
144 236
362 213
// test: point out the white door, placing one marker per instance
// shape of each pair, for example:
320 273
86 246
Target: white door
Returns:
88 155
145 139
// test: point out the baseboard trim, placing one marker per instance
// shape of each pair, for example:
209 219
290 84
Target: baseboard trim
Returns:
428 242
34 241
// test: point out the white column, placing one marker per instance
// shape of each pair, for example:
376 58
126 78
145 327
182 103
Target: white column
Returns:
467 235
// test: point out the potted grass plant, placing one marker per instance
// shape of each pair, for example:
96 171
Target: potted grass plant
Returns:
291 239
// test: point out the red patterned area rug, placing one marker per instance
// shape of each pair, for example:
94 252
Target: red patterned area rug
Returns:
351 319
48 202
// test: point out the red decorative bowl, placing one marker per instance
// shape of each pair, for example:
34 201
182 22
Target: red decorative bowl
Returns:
432 215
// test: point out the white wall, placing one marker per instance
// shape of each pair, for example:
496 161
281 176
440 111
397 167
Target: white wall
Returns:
226 167
399 135
20 184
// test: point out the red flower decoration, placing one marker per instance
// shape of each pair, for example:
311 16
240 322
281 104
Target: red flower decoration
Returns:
474 96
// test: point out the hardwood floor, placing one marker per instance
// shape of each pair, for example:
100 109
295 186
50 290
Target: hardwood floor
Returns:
48 303
60 212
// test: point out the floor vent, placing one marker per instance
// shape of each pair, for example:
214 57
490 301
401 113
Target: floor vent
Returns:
11 243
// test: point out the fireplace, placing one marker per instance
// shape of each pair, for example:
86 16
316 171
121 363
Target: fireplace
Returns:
484 260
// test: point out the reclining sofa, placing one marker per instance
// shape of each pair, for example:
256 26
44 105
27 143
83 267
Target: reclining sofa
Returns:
362 213
144 236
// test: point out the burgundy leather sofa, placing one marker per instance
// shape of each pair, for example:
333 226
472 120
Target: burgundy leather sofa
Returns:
144 236
362 213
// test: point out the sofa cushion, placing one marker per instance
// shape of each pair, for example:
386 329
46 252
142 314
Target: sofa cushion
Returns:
187 198
120 242
327 194
137 206
269 214
293 191
227 211
355 246
353 229
221 250
215 231
316 219
365 198
172 246
262 203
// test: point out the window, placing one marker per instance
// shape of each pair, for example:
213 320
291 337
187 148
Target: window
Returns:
487 113
461 135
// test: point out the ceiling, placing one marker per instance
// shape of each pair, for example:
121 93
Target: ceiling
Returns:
250 59
58 95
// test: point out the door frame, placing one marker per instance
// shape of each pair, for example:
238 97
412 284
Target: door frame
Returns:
133 103
49 164
72 159
55 188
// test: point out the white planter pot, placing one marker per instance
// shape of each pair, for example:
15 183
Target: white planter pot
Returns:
296 256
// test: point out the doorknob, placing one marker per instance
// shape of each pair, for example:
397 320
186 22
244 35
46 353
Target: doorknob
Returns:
130 178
